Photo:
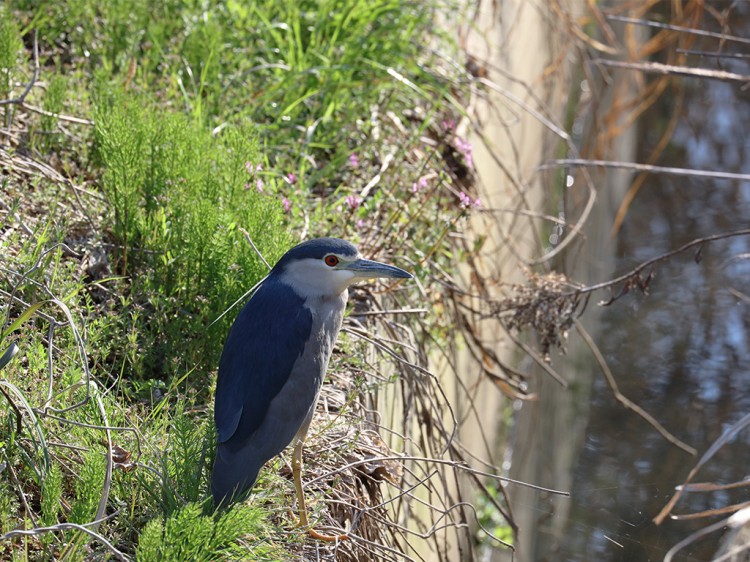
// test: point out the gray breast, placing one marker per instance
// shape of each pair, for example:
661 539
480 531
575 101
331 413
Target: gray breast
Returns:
293 408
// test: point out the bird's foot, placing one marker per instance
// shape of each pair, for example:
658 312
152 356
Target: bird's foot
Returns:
315 534
327 538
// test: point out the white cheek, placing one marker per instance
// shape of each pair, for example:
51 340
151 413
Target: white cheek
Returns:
315 279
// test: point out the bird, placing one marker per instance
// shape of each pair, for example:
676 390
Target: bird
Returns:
274 360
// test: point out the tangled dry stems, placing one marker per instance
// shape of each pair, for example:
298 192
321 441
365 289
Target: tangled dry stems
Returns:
548 304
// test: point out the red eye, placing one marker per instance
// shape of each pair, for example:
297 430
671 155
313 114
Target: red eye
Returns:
331 260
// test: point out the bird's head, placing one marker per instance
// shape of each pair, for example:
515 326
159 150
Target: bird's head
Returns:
325 267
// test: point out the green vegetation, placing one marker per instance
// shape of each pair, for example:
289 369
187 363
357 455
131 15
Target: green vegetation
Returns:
10 46
162 135
190 535
178 200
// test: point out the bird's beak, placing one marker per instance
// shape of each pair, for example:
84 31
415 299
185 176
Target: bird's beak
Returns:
368 269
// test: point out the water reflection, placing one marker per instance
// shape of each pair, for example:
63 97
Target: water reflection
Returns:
682 352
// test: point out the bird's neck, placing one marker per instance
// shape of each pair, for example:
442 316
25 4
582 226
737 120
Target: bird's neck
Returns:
336 300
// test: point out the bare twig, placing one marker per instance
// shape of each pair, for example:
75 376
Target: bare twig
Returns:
34 77
104 499
453 464
69 526
252 244
624 400
60 116
724 37
645 168
670 69
19 416
710 512
21 493
726 437
714 54
250 291
635 272
376 179
693 537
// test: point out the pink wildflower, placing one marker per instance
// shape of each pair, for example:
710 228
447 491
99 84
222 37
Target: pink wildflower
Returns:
247 186
259 185
419 185
286 204
291 178
353 201
464 200
252 170
465 148
353 160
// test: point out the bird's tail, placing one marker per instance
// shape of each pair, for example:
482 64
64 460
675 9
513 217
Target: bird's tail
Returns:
233 476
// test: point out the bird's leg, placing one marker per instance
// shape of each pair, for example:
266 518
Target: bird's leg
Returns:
297 476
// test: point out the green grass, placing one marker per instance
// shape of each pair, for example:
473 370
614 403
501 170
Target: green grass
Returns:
188 534
10 48
201 112
179 200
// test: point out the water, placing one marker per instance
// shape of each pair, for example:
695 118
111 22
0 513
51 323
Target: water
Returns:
683 351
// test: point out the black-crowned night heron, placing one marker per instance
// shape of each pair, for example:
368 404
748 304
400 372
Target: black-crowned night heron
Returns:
274 360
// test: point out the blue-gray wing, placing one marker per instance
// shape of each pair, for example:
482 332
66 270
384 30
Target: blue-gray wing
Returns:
266 339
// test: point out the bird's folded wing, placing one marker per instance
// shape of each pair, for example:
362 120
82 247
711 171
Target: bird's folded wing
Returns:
266 339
